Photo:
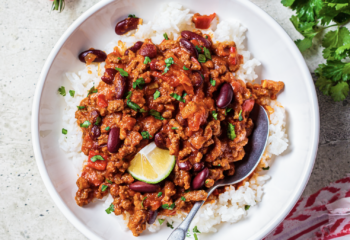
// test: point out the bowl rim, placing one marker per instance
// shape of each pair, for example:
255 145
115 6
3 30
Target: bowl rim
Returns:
47 66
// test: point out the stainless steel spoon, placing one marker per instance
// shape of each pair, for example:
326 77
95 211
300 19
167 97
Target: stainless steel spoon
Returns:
253 153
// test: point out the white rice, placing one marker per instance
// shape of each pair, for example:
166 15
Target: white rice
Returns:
173 18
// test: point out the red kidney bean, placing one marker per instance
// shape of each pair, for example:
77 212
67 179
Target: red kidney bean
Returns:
134 48
100 56
109 75
248 105
198 181
189 46
148 50
159 140
225 96
157 65
114 142
126 25
194 36
198 166
186 165
144 187
152 216
94 115
181 120
95 132
197 78
120 87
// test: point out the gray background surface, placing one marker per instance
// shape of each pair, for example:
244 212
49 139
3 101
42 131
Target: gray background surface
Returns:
28 32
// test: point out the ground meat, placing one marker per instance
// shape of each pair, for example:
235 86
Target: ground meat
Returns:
195 196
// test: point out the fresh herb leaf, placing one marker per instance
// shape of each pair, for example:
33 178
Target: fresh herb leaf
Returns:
174 128
98 121
195 236
195 230
206 36
227 110
159 194
207 53
170 225
62 91
212 82
198 49
183 198
265 168
104 188
132 16
219 165
202 58
146 135
71 93
246 207
184 95
156 95
64 131
142 202
188 190
119 58
80 107
165 35
185 68
107 128
231 132
110 209
166 206
168 62
240 118
215 115
122 72
188 233
160 221
138 83
97 157
132 105
128 95
177 97
340 91
156 114
85 124
109 181
92 90
147 60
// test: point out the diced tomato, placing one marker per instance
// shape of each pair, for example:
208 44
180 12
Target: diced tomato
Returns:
248 105
203 21
233 49
195 42
99 164
101 101
232 60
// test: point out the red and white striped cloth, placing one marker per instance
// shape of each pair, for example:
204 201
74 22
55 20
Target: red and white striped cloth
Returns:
323 215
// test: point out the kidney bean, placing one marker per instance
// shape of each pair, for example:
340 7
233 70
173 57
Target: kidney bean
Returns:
100 56
159 140
248 105
157 65
189 46
198 181
198 166
144 187
109 75
114 142
225 96
148 50
94 115
186 165
194 36
181 120
152 216
197 78
134 48
126 25
95 132
120 87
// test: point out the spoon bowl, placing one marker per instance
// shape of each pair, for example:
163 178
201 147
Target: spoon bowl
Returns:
253 153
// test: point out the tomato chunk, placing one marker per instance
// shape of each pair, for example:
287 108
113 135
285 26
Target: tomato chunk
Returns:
98 164
101 101
203 21
248 105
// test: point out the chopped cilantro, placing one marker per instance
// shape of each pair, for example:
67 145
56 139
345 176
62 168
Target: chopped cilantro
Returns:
71 93
165 35
64 131
168 62
107 128
98 121
177 97
119 58
156 95
62 91
170 225
138 83
132 105
160 221
202 58
266 168
195 230
156 114
122 72
174 128
215 115
227 110
104 188
80 107
231 132
212 82
132 16
207 53
92 90
166 206
85 124
188 190
198 49
97 157
142 202
128 95
109 181
159 194
206 37
183 198
246 207
110 209
145 135
185 68
147 60
240 118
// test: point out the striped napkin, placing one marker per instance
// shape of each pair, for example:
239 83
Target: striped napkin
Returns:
321 216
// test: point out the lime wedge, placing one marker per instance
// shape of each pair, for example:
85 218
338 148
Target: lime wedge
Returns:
151 164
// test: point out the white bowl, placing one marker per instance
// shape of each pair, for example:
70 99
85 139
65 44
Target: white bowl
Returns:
281 60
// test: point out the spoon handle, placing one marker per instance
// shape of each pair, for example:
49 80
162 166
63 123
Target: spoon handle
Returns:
180 232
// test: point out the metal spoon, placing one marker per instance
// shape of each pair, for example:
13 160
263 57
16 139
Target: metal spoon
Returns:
253 153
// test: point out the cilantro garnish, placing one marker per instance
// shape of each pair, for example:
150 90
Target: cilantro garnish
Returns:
132 16
110 209
97 157
109 181
202 58
98 121
165 35
215 115
80 107
265 168
166 206
133 106
64 131
185 68
195 230
156 114
246 207
183 198
177 97
85 124
122 72
160 221
227 110
168 62
156 95
159 194
145 135
198 49
231 132
207 53
128 95
104 188
174 128
142 202
62 91
195 236
138 83
92 90
71 93
147 60
170 225
212 82
107 128
240 118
